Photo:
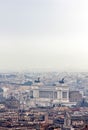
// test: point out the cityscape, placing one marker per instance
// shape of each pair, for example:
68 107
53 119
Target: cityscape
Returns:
44 101
43 64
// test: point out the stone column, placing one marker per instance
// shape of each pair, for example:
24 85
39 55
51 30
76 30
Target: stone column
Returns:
59 95
68 95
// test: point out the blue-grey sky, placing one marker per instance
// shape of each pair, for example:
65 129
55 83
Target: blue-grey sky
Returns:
44 35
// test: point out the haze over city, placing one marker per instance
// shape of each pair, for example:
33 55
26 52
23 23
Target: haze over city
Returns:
44 35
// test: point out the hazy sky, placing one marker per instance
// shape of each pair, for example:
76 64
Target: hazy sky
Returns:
44 35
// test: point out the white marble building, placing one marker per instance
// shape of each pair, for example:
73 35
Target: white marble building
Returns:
58 94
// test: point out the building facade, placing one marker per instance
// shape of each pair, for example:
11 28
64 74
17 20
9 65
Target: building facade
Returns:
56 93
